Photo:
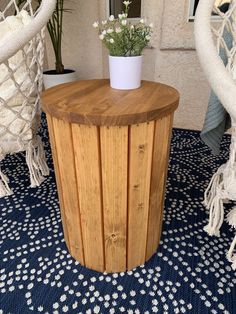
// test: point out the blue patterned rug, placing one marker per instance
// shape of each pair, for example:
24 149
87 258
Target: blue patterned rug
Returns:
188 274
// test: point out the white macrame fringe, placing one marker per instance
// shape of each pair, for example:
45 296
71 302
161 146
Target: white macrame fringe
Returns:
5 190
222 188
36 162
41 158
231 218
231 256
214 202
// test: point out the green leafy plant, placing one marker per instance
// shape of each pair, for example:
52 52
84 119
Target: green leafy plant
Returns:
55 27
123 38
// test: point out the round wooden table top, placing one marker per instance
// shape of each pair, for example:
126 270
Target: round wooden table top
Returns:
94 102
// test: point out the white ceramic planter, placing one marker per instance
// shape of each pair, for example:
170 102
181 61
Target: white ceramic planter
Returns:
50 80
125 72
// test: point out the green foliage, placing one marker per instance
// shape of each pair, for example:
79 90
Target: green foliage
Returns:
123 38
55 27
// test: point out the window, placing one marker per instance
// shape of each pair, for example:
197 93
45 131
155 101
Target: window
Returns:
117 6
223 5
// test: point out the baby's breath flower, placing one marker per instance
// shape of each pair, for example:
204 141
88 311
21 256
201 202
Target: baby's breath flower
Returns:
118 30
127 3
122 16
110 30
133 38
95 24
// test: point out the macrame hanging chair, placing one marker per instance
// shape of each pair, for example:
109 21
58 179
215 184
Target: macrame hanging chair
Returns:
209 37
22 33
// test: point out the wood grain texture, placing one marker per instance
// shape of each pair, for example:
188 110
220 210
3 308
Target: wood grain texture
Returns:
161 147
93 102
140 162
87 157
114 156
58 179
68 185
169 123
111 166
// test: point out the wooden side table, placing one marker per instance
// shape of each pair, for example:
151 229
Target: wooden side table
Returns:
110 150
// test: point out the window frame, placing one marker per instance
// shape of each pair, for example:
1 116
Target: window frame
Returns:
108 11
191 17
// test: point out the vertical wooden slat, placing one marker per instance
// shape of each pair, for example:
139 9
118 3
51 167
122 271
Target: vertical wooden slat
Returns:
163 128
86 149
58 178
66 166
114 157
140 159
169 135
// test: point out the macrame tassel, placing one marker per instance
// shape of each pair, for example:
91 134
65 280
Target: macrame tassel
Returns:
35 160
231 218
213 201
216 216
4 187
41 158
231 256
211 190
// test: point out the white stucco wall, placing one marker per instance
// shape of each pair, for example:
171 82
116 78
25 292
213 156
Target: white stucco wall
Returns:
172 59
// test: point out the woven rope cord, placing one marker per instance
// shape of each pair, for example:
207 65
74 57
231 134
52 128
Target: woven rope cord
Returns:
32 66
20 87
225 22
222 79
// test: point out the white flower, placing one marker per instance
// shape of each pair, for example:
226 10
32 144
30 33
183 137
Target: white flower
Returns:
112 41
95 24
104 32
118 30
101 36
110 30
111 18
104 22
148 37
142 21
132 27
124 22
151 25
122 16
126 3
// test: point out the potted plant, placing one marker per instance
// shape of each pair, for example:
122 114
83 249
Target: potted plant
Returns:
125 42
58 75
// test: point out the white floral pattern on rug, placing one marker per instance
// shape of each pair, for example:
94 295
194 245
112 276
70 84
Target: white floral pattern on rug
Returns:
188 274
